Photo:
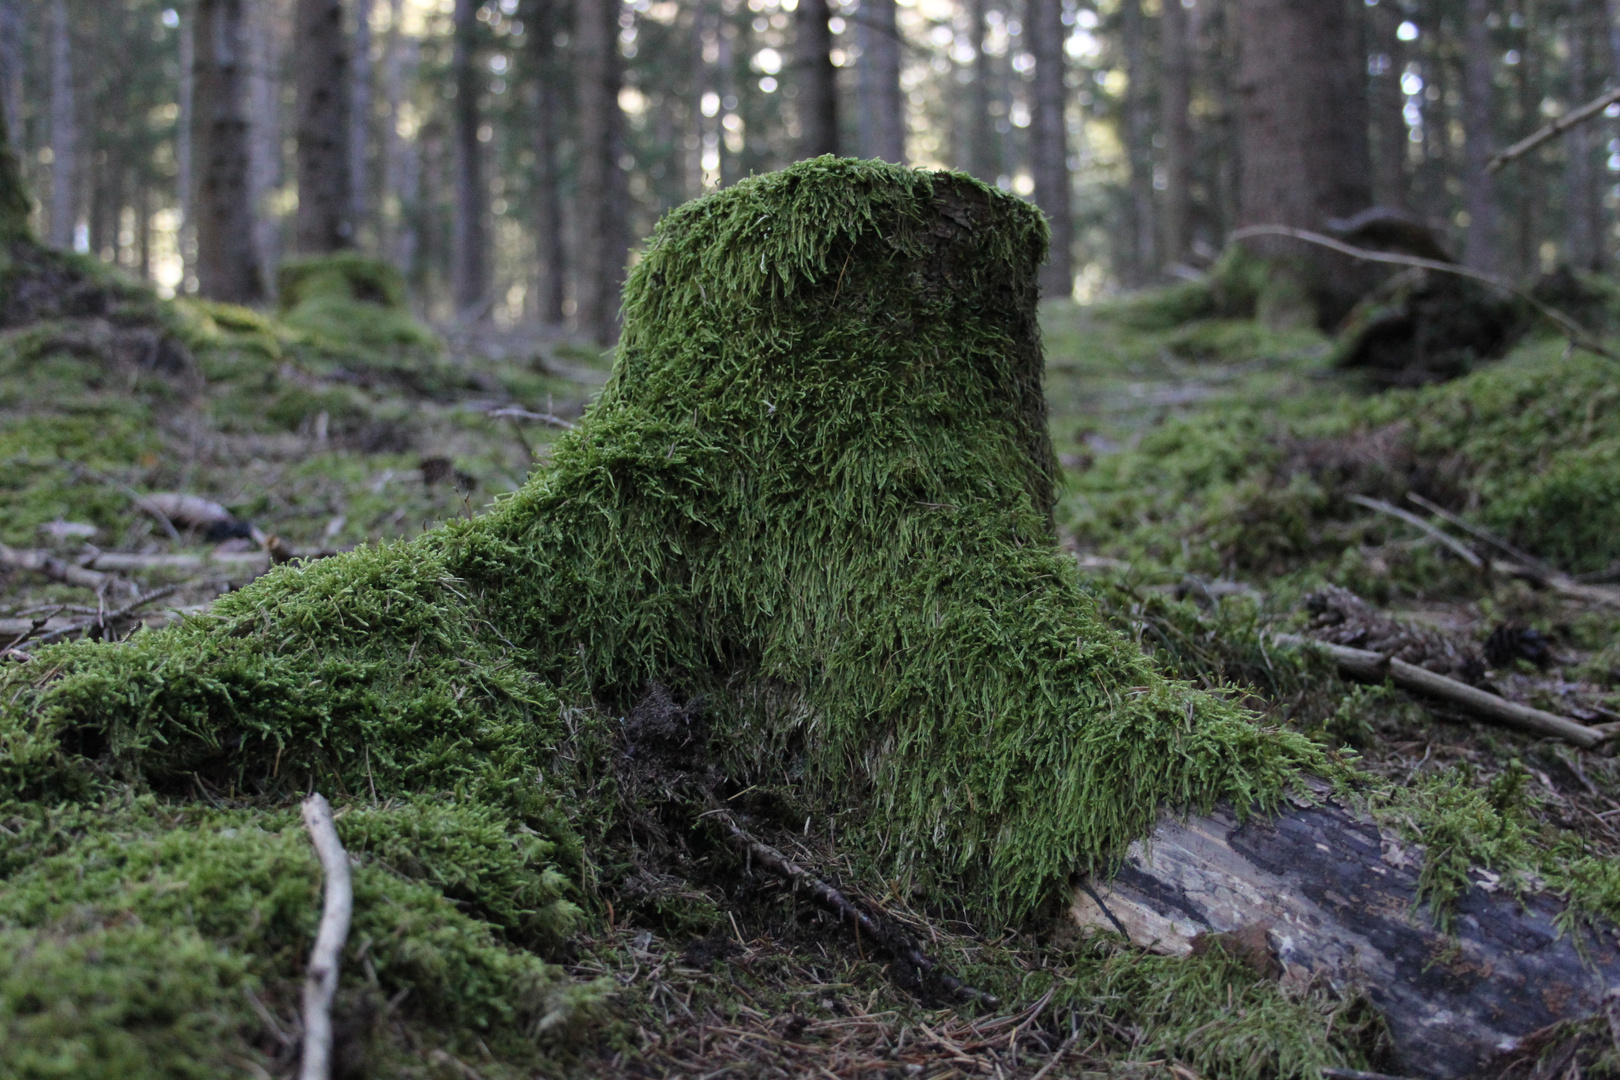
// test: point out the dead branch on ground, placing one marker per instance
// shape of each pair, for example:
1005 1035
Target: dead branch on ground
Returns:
320 982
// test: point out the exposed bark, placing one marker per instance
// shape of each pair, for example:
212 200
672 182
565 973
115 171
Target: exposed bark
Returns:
603 242
983 159
360 109
1303 128
551 268
1175 100
1317 891
1388 104
64 131
1140 259
227 253
1480 251
469 244
882 110
325 196
1049 142
818 79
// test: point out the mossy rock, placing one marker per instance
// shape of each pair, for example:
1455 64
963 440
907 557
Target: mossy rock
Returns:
350 299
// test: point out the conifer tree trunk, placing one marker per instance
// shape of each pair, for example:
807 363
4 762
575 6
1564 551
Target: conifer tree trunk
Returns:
264 126
1140 260
185 180
1303 131
12 32
15 205
983 160
325 194
469 245
602 234
1479 92
818 79
64 131
401 161
882 112
227 254
1528 220
1388 119
541 31
1580 250
1175 100
360 121
1049 142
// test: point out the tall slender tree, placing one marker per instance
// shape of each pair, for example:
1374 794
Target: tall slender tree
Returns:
1049 141
817 102
64 130
469 244
360 125
882 112
227 255
1140 259
325 192
983 160
603 241
15 206
540 28
1304 146
1175 102
1388 121
1479 109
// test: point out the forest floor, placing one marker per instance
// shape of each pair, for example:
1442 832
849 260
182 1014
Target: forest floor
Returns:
1221 481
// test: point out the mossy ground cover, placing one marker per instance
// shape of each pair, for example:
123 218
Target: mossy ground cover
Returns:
814 504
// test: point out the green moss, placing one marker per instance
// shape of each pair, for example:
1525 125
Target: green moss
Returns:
349 299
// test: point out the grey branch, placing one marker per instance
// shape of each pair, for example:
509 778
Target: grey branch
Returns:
320 981
1554 129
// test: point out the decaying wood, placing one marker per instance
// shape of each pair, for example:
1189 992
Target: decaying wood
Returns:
1335 897
43 562
320 981
1542 134
208 560
1375 667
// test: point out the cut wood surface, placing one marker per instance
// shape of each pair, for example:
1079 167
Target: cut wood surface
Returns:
1375 667
1336 897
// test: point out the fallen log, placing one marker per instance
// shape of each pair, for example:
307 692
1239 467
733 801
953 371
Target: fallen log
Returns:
1331 895
1375 667
43 562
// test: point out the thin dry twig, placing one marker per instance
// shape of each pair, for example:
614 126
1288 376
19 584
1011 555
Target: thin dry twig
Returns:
1542 134
1462 550
1578 337
320 982
537 417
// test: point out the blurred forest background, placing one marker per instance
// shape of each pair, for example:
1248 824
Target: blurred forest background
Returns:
507 156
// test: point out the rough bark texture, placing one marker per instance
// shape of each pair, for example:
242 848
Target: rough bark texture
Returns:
469 267
1049 142
550 269
325 195
602 238
227 254
1303 129
1480 251
818 80
64 131
1331 895
882 110
1175 98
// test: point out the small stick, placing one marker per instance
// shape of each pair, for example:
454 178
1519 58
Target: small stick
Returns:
1055 1058
539 417
42 562
1375 667
320 982
1463 551
1482 535
1554 129
840 905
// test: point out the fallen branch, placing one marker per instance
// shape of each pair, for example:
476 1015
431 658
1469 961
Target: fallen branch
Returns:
124 560
1462 550
865 927
320 982
1577 335
1481 704
1551 131
537 417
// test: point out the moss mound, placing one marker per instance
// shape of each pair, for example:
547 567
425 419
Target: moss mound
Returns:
350 298
815 494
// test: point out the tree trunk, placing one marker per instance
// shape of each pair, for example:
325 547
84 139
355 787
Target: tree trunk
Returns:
264 129
983 159
400 158
1479 92
548 109
1388 105
185 180
64 131
12 45
469 244
1303 133
360 121
1175 100
1319 892
325 195
602 241
227 254
1138 147
882 111
15 205
1587 245
1049 142
1529 185
818 80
